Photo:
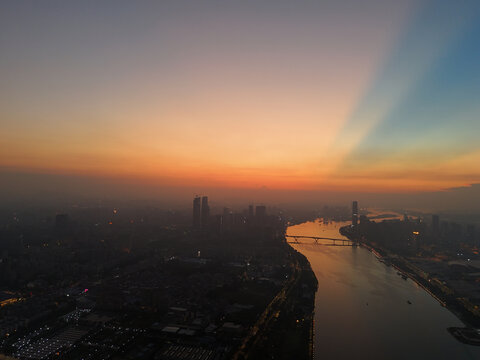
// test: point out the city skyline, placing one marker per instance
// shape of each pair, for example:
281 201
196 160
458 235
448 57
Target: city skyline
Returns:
239 180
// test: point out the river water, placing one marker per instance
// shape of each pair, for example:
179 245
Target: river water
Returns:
361 308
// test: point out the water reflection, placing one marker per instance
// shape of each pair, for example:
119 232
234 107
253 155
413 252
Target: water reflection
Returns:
365 310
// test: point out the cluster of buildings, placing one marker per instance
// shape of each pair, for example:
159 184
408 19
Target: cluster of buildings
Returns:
201 212
228 219
162 307
452 233
444 235
137 285
444 256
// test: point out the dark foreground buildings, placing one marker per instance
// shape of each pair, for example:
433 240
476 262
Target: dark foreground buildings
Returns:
144 284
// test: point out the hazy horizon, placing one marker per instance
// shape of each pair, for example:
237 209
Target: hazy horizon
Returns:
56 190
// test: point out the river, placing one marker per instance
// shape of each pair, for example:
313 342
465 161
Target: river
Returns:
362 309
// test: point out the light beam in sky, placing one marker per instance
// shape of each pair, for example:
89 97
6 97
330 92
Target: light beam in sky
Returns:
308 95
420 110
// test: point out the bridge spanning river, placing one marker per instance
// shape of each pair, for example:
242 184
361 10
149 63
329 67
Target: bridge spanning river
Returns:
318 240
382 315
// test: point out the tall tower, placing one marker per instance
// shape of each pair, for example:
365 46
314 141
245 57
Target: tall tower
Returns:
354 213
196 211
205 211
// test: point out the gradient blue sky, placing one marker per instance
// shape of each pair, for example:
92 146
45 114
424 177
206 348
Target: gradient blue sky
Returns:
329 95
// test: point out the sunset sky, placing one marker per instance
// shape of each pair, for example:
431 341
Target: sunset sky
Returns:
309 95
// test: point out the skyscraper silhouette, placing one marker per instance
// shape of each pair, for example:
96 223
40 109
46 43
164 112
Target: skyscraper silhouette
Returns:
355 213
205 211
196 212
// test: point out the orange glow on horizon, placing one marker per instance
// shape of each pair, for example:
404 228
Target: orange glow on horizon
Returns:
281 107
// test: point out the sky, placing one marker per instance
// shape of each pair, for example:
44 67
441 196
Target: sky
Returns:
375 96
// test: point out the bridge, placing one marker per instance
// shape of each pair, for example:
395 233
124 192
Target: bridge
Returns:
316 240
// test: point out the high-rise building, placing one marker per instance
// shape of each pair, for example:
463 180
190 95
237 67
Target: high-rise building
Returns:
355 213
205 211
196 212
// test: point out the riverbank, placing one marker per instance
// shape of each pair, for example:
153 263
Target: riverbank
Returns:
441 293
362 300
286 325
